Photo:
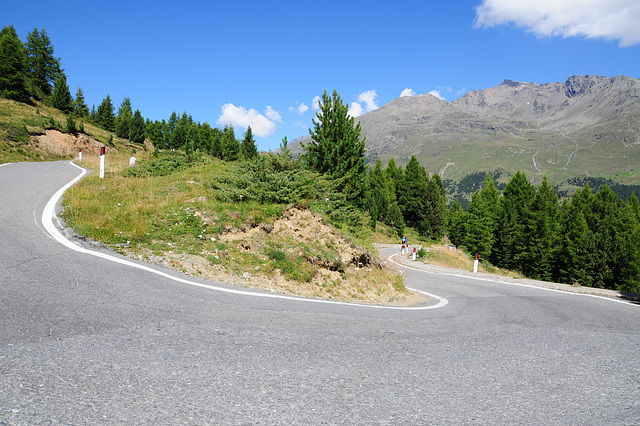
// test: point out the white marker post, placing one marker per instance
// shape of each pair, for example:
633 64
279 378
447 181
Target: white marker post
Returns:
414 253
475 265
102 155
80 154
132 161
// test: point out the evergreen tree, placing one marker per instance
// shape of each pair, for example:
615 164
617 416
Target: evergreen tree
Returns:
230 147
206 137
456 224
336 148
179 136
44 67
123 119
478 238
153 132
137 129
571 253
395 219
215 144
104 116
435 208
80 108
284 150
412 194
540 234
61 97
192 142
170 129
248 145
378 200
70 126
509 231
627 267
394 177
13 66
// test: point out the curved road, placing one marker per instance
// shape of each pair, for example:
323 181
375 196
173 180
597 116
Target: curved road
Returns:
85 340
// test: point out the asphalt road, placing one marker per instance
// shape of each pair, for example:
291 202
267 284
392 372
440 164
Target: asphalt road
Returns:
85 340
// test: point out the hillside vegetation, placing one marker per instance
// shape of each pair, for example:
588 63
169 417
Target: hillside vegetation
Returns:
266 223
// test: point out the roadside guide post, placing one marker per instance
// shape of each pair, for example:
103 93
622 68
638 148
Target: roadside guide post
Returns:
102 155
475 265
80 154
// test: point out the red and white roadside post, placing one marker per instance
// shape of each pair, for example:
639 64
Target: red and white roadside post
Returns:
414 254
102 155
475 265
80 154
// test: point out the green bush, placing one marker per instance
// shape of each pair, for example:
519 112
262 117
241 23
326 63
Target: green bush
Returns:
162 166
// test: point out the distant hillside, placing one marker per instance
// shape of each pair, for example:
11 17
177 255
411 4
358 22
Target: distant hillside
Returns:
588 126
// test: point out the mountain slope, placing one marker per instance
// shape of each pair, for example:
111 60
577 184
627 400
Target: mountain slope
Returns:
586 126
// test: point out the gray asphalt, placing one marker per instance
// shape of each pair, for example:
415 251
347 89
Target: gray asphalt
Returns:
87 341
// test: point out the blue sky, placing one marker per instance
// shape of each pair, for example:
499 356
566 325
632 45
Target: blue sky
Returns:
263 63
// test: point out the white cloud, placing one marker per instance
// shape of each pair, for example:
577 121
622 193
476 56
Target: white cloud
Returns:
235 116
606 19
299 109
272 115
437 94
315 103
369 100
355 110
407 92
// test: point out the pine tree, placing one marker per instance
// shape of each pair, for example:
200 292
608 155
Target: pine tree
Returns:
13 66
336 148
540 234
123 119
509 231
378 198
61 97
435 208
479 237
570 255
456 224
104 116
44 67
248 145
395 219
412 193
284 150
80 107
137 129
395 176
230 147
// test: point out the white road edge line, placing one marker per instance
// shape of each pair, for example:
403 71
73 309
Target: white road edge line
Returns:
626 302
47 221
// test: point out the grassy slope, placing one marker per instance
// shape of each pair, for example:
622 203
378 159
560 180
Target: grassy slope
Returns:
20 124
180 221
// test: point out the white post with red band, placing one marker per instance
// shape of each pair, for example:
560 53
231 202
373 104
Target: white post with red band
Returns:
80 155
475 265
102 155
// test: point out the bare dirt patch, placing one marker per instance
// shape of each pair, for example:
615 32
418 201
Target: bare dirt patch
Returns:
339 269
54 142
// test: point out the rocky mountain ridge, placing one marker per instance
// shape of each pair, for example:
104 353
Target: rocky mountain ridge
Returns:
586 126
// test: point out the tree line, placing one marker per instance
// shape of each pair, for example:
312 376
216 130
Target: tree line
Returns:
30 70
590 239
